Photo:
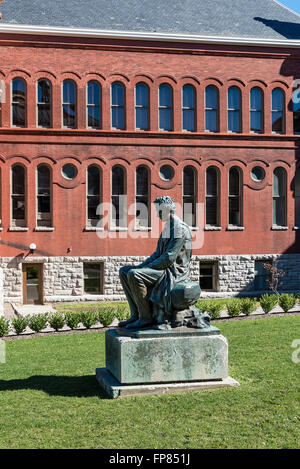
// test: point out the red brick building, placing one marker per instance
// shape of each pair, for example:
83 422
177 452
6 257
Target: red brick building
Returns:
134 100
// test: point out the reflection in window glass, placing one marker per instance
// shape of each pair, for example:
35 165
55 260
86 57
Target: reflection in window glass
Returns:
188 108
165 107
279 197
69 104
18 102
93 104
211 109
277 111
142 106
44 103
256 108
118 106
234 109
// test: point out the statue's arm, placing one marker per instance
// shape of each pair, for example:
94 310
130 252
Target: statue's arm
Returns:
169 256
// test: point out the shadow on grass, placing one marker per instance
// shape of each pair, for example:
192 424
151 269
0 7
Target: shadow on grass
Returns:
69 386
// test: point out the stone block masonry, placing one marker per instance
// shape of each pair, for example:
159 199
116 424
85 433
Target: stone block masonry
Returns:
63 278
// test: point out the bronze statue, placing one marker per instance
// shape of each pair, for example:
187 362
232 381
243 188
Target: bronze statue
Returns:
159 290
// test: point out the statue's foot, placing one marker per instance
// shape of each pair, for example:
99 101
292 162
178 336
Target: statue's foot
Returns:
139 324
128 321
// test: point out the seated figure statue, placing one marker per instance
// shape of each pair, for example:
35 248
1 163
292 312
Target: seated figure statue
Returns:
160 288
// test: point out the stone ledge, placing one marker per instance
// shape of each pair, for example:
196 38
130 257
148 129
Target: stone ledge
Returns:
114 389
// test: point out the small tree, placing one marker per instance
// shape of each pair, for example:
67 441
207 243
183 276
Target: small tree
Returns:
275 275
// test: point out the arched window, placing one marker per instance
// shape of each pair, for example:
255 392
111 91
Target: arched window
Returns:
212 209
279 197
278 114
189 195
44 195
234 109
18 102
18 196
142 197
69 104
142 102
43 103
297 198
189 108
118 197
211 109
256 110
235 197
93 195
296 110
118 106
165 107
93 105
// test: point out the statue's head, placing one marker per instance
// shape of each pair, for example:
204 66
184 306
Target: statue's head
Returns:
165 207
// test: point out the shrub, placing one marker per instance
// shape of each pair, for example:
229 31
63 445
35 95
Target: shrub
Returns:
88 318
37 322
56 321
202 305
72 319
20 323
268 302
214 309
297 296
106 316
122 312
4 327
286 301
234 307
248 305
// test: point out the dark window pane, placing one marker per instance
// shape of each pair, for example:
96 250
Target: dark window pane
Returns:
117 94
188 116
118 118
94 116
165 95
234 182
255 121
69 115
69 92
93 180
211 122
234 121
211 97
211 181
142 118
189 181
18 180
141 95
165 119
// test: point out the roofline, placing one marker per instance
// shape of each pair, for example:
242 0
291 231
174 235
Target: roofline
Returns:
152 36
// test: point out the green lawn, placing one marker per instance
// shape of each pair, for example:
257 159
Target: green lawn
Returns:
49 397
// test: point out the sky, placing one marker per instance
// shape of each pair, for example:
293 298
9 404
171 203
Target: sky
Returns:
292 5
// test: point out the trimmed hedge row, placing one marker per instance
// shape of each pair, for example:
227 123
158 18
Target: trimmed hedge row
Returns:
58 320
106 315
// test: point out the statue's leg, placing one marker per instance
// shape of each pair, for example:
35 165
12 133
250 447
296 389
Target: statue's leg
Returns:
140 280
123 274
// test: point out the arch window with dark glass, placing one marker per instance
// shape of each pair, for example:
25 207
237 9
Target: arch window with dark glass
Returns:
256 110
94 191
118 197
297 198
234 109
44 103
211 109
44 205
235 197
19 102
189 108
18 196
212 205
93 105
296 110
142 197
69 104
142 106
278 114
165 107
279 197
118 106
189 196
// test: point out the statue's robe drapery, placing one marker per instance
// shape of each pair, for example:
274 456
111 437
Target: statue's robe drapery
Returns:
172 256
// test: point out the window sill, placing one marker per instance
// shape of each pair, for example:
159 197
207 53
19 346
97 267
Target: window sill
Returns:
1 229
212 228
279 228
235 228
143 228
18 228
295 228
44 228
93 228
118 228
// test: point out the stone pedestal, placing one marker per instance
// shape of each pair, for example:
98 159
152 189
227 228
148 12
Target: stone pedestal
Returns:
152 361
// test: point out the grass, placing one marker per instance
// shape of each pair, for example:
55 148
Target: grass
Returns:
49 397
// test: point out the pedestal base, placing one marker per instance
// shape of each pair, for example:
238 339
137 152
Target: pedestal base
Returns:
114 389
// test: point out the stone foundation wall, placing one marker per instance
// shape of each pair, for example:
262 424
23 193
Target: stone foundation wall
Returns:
63 276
